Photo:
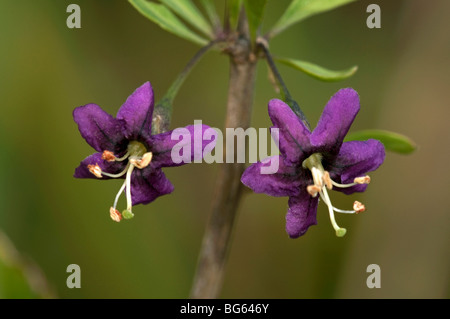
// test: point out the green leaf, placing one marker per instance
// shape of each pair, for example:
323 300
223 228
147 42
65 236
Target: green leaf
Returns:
234 8
255 13
211 11
299 10
162 16
188 11
394 142
317 71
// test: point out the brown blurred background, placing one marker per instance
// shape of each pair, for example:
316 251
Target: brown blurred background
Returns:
46 70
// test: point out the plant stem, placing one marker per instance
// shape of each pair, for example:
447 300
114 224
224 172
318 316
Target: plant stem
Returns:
217 238
163 109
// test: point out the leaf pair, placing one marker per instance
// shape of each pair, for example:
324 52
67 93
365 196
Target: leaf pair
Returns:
163 15
297 11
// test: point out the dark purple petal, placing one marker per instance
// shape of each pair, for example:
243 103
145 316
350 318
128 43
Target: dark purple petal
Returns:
287 181
301 214
187 142
82 171
148 184
335 121
355 159
293 134
98 128
136 112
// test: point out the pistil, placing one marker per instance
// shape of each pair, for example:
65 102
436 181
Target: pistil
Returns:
128 213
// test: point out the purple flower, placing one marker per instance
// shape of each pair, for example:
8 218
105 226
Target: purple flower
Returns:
126 149
312 163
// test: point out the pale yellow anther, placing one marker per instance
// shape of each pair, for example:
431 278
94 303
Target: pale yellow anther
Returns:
108 156
327 180
96 170
362 180
142 162
313 190
358 207
115 214
146 159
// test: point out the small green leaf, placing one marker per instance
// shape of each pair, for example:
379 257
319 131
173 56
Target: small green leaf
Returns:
162 16
299 10
234 8
317 71
255 14
211 11
188 11
394 142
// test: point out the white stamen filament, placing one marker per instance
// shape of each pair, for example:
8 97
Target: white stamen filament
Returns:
327 201
117 175
118 194
128 187
337 210
357 181
120 159
343 185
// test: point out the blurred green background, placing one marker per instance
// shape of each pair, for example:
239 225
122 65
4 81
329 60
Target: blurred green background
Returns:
46 70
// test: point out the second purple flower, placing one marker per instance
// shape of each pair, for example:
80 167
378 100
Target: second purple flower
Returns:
313 163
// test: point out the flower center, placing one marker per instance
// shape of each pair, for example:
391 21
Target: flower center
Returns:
137 157
323 181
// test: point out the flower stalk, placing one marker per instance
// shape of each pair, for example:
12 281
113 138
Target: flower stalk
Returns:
163 109
285 95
